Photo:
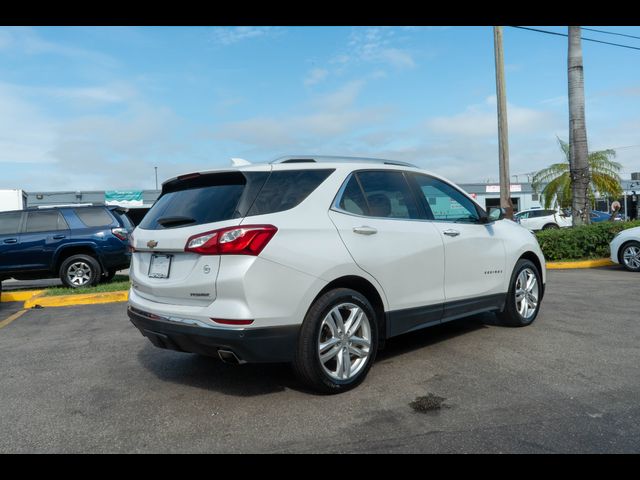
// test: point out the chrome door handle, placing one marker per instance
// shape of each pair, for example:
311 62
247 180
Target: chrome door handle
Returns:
11 240
451 233
364 230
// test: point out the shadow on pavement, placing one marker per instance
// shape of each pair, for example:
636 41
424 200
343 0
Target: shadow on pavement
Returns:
210 373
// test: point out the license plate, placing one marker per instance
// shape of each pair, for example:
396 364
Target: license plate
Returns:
160 266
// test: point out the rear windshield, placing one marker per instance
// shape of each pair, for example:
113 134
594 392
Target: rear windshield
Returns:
203 199
217 197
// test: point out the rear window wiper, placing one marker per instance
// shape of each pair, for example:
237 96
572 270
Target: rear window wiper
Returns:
175 221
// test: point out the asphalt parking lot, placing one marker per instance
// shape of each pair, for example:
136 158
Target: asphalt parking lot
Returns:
82 379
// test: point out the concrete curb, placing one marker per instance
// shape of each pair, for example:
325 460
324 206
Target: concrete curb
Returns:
20 296
600 262
81 299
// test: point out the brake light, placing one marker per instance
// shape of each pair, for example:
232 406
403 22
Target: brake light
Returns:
121 233
243 240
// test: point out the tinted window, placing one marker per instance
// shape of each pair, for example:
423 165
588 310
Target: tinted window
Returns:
10 223
387 194
286 189
124 219
94 217
204 199
45 222
352 200
446 202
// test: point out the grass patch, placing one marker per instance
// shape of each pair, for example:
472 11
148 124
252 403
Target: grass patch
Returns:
119 283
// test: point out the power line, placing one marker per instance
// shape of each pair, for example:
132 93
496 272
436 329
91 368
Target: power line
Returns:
583 38
610 33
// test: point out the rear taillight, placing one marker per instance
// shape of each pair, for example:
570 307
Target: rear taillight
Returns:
121 233
226 321
244 240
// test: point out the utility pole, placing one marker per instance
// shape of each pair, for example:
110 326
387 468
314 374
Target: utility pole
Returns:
503 131
156 169
579 154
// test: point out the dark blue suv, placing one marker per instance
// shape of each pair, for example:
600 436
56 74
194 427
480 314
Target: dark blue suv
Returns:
82 245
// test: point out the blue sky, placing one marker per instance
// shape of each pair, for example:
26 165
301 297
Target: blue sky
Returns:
98 107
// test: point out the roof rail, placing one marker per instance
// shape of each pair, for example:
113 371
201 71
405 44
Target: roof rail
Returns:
66 205
337 159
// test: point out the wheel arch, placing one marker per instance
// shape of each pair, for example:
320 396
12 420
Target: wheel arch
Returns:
68 251
366 288
533 258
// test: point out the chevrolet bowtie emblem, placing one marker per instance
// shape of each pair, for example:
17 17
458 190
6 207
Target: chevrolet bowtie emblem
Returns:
152 244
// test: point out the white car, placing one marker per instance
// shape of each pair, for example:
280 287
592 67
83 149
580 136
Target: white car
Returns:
539 219
317 261
625 249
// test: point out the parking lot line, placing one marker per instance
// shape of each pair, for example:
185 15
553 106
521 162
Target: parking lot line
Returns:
11 318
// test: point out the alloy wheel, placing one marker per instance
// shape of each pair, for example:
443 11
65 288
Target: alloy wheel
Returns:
631 257
527 293
79 274
344 341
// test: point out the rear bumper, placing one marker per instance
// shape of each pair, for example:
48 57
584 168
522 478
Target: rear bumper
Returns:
251 345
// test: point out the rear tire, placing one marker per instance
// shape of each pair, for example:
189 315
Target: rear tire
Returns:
550 226
630 256
525 294
338 342
80 271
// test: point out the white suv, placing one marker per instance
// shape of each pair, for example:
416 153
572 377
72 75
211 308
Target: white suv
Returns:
317 261
538 219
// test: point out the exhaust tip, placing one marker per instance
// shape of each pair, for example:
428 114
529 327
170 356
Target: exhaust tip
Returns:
228 356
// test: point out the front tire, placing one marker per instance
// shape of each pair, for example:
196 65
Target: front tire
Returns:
338 342
630 256
80 271
525 294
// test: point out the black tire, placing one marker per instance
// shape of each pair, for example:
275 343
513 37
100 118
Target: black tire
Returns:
623 249
510 316
107 276
88 263
550 226
307 364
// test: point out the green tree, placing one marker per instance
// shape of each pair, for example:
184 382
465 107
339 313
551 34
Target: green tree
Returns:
556 180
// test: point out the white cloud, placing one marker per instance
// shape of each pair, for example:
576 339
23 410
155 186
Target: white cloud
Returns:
397 58
97 151
378 45
315 76
480 120
328 119
25 40
231 35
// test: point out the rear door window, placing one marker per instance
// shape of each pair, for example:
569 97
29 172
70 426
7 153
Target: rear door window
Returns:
387 195
10 223
47 221
94 217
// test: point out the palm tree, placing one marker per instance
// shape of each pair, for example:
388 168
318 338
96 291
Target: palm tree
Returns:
579 160
557 182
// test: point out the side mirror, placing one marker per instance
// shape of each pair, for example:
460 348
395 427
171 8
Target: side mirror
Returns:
497 214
